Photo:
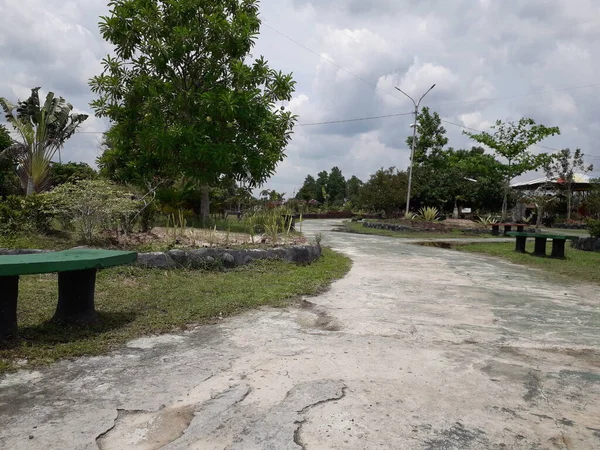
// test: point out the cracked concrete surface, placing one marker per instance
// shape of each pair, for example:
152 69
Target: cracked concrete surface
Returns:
417 348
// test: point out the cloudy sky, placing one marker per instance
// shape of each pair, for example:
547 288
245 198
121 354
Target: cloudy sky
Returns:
490 59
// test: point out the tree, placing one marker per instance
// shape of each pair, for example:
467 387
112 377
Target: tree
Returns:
308 191
183 98
468 177
385 191
71 172
353 187
512 141
322 186
43 130
564 166
431 136
336 186
9 182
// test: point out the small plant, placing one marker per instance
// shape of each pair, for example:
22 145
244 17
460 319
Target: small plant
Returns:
593 226
429 214
487 220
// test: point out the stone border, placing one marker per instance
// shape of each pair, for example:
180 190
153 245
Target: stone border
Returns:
398 227
586 244
207 258
211 258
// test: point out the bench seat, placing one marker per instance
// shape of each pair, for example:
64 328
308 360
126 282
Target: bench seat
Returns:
558 243
76 270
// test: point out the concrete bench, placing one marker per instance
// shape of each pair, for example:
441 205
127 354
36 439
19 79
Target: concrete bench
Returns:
76 270
558 243
507 227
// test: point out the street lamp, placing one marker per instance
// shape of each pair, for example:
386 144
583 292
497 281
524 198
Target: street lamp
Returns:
412 150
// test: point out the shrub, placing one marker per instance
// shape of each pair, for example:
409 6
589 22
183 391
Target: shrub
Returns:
429 214
593 226
22 215
93 206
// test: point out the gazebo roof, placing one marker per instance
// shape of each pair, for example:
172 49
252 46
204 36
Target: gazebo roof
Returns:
581 182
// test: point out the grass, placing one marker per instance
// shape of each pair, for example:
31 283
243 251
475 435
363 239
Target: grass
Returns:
579 265
357 228
134 302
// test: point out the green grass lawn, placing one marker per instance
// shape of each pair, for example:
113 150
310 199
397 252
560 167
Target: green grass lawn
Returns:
357 228
134 302
579 265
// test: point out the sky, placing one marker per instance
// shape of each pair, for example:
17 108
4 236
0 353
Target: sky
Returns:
489 59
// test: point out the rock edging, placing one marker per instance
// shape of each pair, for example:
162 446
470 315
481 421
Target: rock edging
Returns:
586 244
207 258
215 257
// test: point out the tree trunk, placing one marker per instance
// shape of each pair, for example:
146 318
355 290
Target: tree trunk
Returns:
538 221
205 205
505 201
30 187
569 196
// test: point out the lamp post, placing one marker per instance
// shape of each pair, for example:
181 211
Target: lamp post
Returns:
412 149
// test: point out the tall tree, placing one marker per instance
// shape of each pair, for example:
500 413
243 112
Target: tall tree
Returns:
308 191
512 142
336 184
431 136
9 182
322 186
353 187
43 129
564 166
183 98
385 191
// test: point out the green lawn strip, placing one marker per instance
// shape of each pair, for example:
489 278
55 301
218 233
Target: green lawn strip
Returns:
134 302
358 228
579 265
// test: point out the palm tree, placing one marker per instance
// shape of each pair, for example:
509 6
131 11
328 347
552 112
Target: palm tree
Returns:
43 130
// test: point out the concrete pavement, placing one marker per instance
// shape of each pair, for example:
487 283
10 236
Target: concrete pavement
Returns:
417 348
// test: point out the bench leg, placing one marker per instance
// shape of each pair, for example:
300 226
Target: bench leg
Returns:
507 229
558 248
9 291
76 297
520 244
495 230
520 228
540 246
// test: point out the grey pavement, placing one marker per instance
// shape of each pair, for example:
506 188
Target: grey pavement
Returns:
417 348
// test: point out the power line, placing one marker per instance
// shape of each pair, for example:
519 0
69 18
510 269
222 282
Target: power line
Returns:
354 120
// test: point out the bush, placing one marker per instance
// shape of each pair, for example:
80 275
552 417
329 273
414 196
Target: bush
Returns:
22 215
593 226
429 214
93 206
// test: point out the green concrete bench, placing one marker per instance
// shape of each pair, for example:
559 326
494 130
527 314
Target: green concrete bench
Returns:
558 243
76 282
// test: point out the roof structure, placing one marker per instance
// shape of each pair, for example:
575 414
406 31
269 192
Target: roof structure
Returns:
581 183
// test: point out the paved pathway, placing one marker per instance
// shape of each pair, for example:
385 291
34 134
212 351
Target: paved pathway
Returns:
417 348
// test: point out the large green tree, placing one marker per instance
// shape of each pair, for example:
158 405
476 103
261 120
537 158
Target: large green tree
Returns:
184 97
9 182
385 191
564 165
71 172
512 142
43 129
353 187
308 191
322 187
336 184
431 136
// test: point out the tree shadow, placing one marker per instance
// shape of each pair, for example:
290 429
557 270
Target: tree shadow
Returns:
51 333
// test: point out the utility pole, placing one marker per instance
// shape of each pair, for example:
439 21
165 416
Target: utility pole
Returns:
412 149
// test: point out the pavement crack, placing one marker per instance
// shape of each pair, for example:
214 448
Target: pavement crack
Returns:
540 386
312 405
297 437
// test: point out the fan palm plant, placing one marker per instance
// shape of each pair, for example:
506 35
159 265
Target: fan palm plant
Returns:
43 130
